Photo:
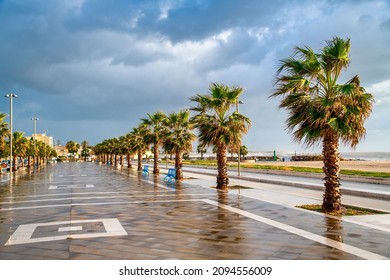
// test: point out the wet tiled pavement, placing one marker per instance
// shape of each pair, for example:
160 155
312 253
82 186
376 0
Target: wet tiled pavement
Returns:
90 211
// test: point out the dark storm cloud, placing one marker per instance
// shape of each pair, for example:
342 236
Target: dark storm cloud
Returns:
184 20
86 67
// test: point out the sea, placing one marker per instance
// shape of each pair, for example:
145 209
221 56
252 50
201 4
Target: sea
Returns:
366 156
372 156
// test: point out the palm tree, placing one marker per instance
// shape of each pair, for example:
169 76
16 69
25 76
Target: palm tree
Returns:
106 150
98 151
19 146
321 110
72 147
85 150
42 151
179 137
4 133
127 147
139 144
30 151
115 149
155 125
201 150
243 151
218 125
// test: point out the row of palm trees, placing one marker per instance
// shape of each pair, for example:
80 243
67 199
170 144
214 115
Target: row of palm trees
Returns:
215 119
321 111
35 151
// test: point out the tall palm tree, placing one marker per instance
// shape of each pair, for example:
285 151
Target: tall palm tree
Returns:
4 133
179 137
30 151
127 147
139 144
42 151
219 124
321 110
116 149
19 146
155 124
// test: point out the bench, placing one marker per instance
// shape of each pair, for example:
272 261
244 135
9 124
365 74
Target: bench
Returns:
171 176
145 170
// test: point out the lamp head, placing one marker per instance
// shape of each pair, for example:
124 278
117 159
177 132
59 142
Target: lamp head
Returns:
11 95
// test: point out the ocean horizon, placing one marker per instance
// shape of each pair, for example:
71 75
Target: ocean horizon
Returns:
369 156
382 156
372 156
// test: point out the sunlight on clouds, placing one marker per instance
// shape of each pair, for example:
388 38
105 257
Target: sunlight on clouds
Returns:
133 21
165 6
259 33
223 36
381 92
191 51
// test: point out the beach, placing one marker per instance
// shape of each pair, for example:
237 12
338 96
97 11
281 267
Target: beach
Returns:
362 165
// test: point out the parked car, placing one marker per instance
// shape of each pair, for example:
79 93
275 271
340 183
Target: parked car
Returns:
5 165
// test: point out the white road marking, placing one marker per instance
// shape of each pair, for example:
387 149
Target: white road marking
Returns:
23 233
70 228
71 187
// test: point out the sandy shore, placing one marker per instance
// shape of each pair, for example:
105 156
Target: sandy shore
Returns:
378 166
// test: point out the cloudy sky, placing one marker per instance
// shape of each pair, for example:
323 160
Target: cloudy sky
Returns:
91 69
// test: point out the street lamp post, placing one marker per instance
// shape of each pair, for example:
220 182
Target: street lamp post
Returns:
239 144
35 119
11 96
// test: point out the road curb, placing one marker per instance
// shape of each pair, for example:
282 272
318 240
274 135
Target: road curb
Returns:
368 194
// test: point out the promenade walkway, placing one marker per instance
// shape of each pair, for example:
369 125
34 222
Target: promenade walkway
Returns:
90 211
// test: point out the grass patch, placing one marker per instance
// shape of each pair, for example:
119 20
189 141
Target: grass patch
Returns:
235 187
238 187
366 173
347 210
282 168
201 162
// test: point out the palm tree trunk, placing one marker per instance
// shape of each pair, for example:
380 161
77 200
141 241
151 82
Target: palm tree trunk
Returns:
128 161
156 170
330 151
179 166
14 167
139 160
222 177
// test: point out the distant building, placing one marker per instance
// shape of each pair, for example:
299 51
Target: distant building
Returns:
61 151
48 140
